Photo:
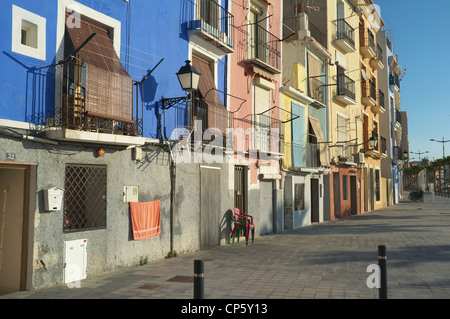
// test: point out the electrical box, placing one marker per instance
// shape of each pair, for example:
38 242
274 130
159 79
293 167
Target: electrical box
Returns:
130 194
53 198
75 261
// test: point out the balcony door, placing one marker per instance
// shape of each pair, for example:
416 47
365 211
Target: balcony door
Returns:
298 135
209 12
257 34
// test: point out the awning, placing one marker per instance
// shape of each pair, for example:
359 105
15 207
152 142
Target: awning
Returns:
217 112
109 88
324 158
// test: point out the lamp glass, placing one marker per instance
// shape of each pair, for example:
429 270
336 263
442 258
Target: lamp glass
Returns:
373 142
188 77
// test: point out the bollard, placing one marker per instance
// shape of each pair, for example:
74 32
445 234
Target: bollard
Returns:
199 292
383 274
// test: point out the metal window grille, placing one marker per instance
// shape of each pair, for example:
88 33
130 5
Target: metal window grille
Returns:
85 197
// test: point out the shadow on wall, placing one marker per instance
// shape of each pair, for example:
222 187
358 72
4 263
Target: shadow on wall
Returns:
39 89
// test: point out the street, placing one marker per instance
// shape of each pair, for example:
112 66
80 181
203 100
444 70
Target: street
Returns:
324 261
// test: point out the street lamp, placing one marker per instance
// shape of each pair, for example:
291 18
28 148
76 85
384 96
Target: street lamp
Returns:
188 77
373 142
420 153
443 145
405 155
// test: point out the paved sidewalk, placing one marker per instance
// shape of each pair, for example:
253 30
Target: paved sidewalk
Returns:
326 261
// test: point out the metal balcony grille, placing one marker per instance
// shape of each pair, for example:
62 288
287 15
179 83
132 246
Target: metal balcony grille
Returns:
85 197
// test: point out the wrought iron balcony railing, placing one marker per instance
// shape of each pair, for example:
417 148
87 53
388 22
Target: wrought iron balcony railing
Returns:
345 86
264 46
293 25
345 31
317 89
260 132
213 19
79 111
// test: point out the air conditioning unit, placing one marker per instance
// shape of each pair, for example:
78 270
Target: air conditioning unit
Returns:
359 158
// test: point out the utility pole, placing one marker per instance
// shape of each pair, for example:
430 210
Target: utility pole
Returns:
443 145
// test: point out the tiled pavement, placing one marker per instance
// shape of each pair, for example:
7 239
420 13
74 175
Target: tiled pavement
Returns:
327 261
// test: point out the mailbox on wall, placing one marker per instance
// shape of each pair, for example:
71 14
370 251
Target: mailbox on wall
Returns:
53 198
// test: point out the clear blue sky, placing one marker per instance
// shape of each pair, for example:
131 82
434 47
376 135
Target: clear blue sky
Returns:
421 31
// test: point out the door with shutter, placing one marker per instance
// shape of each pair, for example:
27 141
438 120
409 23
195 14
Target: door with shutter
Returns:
209 207
266 222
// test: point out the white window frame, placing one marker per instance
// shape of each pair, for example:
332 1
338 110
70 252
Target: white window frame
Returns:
20 15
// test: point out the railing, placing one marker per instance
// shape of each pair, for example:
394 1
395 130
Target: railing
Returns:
381 98
379 53
345 31
345 86
260 132
398 116
73 112
369 89
293 25
317 89
368 40
264 46
345 149
383 145
394 80
305 154
213 19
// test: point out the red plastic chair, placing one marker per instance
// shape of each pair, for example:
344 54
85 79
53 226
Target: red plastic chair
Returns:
242 222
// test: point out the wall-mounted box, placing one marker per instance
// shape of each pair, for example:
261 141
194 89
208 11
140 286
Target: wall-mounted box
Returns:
130 194
75 261
53 198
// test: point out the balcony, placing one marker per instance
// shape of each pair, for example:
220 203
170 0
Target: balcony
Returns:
377 62
380 150
369 95
102 115
302 26
394 83
345 92
260 132
317 90
306 155
345 36
212 23
379 107
367 46
264 49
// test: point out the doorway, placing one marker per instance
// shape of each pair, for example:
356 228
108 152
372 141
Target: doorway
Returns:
315 218
15 198
337 195
353 196
209 207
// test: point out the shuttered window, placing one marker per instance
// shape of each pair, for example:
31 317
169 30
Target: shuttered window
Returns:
109 88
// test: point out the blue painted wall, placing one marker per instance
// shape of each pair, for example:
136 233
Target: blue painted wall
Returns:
151 31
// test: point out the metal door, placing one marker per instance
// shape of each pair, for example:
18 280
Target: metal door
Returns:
315 200
266 207
209 207
337 194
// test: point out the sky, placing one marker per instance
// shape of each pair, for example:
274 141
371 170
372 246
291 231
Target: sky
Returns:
421 32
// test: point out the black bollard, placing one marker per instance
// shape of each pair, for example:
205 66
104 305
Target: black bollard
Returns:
199 292
383 274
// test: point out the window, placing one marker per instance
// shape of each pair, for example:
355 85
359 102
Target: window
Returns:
28 33
85 197
345 187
